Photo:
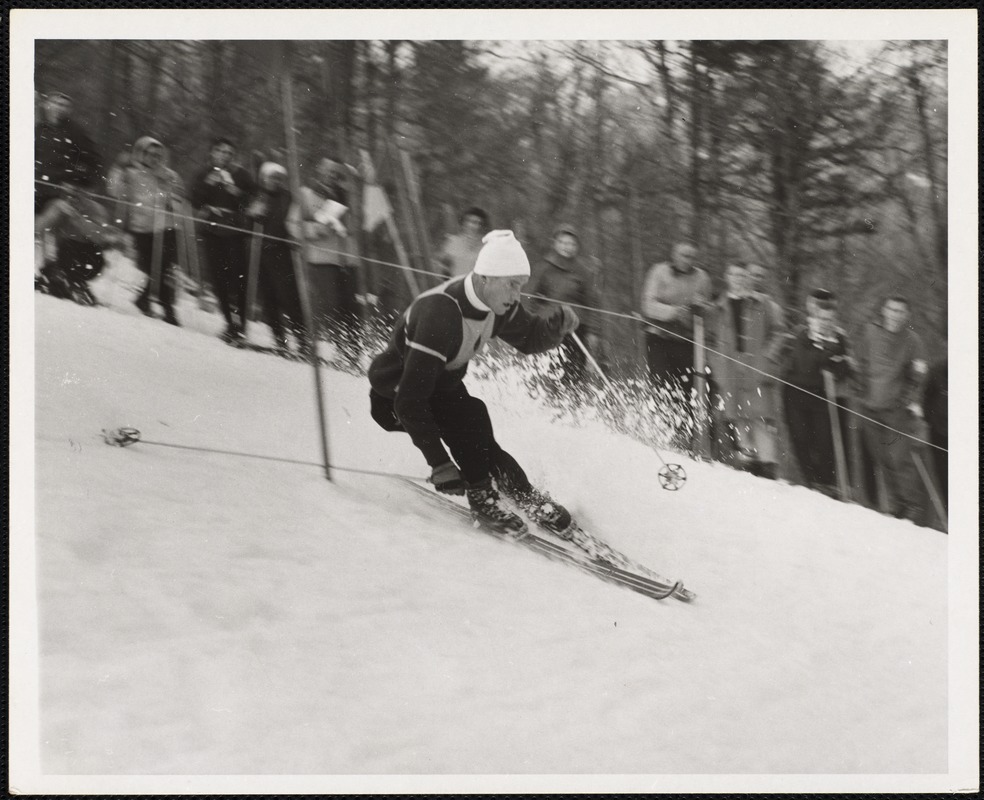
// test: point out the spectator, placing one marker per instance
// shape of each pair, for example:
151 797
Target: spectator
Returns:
459 250
270 206
891 371
674 291
749 337
219 192
145 191
63 153
322 208
83 231
566 278
814 348
935 399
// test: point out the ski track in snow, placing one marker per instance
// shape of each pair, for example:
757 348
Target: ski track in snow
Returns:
213 614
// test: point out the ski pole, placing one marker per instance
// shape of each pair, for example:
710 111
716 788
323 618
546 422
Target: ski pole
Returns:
931 488
835 429
671 476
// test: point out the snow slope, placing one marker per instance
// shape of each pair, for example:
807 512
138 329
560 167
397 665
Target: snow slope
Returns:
209 614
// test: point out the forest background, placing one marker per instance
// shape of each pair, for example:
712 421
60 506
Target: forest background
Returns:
825 163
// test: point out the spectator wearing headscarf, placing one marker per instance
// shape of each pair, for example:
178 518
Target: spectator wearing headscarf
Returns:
270 206
147 190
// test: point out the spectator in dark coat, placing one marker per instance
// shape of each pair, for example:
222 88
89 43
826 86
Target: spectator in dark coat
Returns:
565 277
281 300
220 192
935 399
818 346
63 153
459 250
891 371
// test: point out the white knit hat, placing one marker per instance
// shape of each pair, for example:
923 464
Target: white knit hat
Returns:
501 256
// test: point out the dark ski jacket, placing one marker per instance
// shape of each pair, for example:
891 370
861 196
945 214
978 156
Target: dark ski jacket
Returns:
219 203
63 153
806 357
430 347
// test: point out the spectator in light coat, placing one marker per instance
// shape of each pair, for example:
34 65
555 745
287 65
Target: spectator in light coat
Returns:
749 335
146 191
322 208
891 370
565 277
674 292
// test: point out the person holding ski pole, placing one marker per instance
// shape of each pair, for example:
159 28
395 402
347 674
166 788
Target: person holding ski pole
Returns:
417 383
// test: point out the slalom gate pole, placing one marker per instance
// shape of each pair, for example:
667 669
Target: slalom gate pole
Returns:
700 378
829 389
253 275
300 260
191 243
671 476
181 244
934 493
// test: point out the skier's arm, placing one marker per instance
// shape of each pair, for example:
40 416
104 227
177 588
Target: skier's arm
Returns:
531 333
433 335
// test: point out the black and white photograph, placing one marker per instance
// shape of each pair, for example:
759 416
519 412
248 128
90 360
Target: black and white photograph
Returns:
493 401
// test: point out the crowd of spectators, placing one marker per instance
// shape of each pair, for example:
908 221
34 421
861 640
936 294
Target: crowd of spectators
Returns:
869 414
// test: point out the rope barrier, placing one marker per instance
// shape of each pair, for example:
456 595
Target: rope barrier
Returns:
124 437
615 314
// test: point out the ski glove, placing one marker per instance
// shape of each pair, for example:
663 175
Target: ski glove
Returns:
568 320
447 479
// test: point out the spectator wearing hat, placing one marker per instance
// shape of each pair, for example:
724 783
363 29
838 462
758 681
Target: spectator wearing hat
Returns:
417 381
270 205
219 192
146 190
891 372
816 347
322 209
563 276
749 335
459 250
63 152
674 292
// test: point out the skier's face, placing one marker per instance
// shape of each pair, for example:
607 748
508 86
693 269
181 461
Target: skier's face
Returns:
500 294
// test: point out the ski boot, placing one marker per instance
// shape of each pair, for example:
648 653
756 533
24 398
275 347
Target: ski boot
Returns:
488 513
545 512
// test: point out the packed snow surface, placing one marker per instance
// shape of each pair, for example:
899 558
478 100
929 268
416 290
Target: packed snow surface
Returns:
211 614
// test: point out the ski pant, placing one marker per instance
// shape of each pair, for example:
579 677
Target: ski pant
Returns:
886 451
466 429
144 246
227 263
808 420
280 297
669 360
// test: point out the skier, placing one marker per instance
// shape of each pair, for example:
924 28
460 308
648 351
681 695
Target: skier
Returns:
417 383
